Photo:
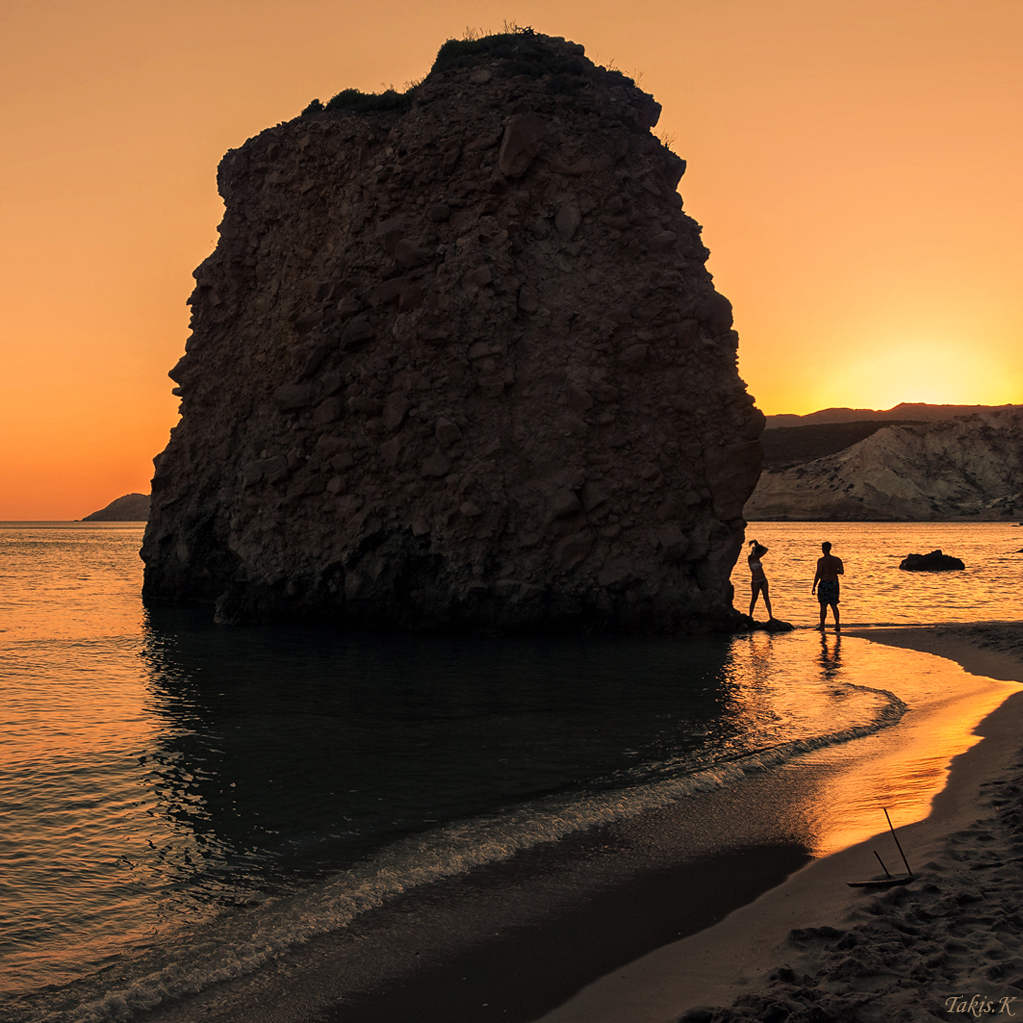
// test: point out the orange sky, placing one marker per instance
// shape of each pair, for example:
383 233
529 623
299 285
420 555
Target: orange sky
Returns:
856 165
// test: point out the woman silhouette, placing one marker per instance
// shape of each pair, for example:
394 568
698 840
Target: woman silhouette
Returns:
759 580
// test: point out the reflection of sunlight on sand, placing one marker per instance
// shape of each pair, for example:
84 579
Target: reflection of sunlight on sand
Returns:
901 768
806 684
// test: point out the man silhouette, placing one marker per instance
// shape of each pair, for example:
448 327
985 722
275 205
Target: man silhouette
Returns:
825 582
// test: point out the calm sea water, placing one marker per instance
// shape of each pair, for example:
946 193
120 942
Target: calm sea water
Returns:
182 802
874 590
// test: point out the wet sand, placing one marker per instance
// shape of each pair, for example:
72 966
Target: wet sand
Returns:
513 939
947 945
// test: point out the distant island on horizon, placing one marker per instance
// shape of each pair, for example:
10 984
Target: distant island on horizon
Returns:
130 508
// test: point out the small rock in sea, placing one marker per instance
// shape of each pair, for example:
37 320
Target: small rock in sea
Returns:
933 562
774 625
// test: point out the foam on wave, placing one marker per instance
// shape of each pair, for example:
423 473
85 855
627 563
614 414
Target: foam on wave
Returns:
236 945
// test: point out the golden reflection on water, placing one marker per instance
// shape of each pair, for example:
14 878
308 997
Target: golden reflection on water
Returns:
72 645
874 590
901 768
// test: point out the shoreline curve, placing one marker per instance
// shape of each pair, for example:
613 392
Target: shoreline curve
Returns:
795 947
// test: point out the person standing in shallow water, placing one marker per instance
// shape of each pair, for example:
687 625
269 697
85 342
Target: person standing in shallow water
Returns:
825 582
759 579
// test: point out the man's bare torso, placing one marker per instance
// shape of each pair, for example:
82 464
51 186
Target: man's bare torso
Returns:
829 568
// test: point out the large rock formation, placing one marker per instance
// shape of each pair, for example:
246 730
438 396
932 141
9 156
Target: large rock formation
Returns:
459 364
968 468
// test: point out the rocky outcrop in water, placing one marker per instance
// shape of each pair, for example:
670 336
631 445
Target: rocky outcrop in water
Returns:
458 364
934 561
966 468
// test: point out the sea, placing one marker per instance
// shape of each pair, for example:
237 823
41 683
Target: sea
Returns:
187 807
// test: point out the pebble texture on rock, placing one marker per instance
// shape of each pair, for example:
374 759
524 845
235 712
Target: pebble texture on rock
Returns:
460 366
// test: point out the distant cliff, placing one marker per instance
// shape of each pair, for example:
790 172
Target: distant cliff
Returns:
965 468
457 363
130 508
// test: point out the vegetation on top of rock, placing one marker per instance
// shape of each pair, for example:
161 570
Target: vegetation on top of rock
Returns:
520 51
356 102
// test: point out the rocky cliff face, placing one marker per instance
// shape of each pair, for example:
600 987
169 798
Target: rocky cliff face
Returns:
968 468
459 364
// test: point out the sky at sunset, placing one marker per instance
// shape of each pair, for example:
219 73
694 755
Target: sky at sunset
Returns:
855 164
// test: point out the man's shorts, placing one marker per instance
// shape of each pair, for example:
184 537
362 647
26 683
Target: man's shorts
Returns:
827 591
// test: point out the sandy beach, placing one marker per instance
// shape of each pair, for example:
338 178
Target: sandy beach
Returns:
947 945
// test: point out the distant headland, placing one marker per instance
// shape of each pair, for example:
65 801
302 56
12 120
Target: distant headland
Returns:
904 412
911 463
130 508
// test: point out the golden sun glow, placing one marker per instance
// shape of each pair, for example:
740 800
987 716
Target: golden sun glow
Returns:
854 166
932 370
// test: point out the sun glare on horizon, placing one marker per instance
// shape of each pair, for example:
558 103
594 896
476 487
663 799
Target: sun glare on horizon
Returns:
894 368
938 371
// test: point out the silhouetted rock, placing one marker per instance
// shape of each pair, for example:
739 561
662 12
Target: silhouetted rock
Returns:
748 624
905 411
933 562
459 365
130 508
